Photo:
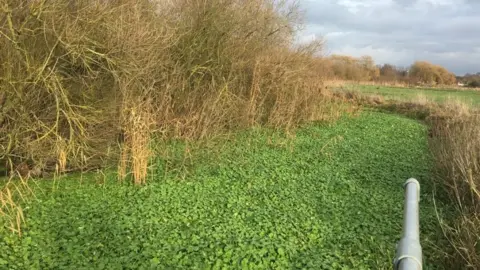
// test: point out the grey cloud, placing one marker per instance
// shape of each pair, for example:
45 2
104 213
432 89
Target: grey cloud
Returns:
425 30
405 3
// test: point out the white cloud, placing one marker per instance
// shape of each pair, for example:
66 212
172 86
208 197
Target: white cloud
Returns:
306 38
336 34
399 31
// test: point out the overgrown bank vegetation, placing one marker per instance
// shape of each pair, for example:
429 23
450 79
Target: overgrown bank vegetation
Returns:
78 78
456 146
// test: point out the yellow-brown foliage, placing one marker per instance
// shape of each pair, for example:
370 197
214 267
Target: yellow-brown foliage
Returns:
76 77
344 67
426 73
11 213
456 147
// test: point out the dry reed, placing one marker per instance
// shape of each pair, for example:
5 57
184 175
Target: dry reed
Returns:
456 147
79 79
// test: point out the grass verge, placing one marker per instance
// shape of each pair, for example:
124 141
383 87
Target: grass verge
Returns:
470 97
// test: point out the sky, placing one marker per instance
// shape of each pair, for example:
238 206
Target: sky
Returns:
399 32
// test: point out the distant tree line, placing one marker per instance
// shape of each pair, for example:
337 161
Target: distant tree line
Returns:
470 80
391 73
350 68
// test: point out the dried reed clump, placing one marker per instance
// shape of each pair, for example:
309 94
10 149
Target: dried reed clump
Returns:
421 99
73 73
136 152
456 148
11 212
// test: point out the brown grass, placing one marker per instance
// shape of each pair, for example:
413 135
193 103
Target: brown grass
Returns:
456 147
136 146
339 83
11 196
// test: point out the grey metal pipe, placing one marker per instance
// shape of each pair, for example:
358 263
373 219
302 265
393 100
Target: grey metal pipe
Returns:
409 250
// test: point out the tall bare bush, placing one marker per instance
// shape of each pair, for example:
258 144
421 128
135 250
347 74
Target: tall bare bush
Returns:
456 147
74 73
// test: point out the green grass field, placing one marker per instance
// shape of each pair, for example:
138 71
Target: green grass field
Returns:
470 97
329 198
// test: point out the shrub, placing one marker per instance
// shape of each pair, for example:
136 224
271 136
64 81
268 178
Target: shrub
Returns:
427 73
474 83
456 147
78 75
